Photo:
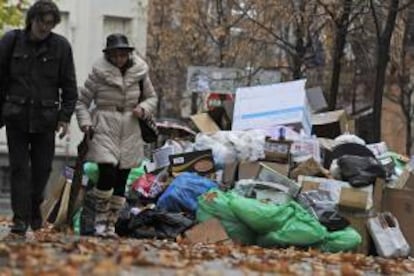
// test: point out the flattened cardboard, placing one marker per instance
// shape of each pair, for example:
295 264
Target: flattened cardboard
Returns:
205 123
230 174
250 170
316 99
309 168
267 173
209 231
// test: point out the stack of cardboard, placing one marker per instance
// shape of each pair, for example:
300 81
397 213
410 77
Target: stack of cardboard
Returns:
399 200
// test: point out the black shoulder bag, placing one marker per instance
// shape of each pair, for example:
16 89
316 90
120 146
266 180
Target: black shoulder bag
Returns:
148 125
7 76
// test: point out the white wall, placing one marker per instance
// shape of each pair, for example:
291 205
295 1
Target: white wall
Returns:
85 23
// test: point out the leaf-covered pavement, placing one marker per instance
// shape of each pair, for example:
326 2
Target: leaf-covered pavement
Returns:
53 253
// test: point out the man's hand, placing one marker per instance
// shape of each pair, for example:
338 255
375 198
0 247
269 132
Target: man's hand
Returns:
63 128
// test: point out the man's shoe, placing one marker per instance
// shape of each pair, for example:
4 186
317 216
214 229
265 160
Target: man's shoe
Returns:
19 227
36 224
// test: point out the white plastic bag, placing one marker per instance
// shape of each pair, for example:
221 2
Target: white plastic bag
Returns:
231 146
388 238
222 153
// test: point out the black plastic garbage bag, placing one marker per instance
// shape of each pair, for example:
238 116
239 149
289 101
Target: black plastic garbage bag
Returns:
320 204
154 224
332 220
360 171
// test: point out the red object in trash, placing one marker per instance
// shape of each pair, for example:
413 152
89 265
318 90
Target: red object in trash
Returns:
143 184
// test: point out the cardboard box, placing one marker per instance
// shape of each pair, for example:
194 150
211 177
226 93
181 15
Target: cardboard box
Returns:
400 202
209 231
250 170
332 124
353 198
277 150
358 220
342 192
263 106
200 162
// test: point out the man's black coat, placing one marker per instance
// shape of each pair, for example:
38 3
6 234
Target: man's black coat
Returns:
37 81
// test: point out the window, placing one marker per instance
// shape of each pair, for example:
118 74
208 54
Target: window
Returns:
114 24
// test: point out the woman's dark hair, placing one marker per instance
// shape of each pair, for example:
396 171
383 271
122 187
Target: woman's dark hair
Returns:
41 8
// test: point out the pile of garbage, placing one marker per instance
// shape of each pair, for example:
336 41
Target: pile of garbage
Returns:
262 192
306 182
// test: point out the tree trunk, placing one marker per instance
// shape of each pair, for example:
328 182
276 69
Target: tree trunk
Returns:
340 40
383 47
336 73
382 62
298 57
408 141
297 68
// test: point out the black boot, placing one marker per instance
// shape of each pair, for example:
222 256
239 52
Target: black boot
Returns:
19 227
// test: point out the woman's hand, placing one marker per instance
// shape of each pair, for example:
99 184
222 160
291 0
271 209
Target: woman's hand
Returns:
87 130
138 112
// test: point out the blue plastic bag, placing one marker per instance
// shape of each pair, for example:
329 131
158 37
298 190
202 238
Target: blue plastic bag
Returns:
181 195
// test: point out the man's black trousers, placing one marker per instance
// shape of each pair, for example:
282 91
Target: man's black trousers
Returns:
30 158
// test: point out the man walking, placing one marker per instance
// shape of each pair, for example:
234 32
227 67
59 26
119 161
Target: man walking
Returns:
38 96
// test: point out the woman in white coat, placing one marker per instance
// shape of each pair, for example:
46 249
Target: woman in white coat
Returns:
117 145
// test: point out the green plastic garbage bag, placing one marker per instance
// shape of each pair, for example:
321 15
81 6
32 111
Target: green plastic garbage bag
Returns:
76 221
301 229
91 170
342 240
279 225
215 203
136 173
259 216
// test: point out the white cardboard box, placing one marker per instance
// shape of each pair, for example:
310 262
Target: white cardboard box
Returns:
264 106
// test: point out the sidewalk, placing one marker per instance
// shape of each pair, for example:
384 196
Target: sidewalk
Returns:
5 209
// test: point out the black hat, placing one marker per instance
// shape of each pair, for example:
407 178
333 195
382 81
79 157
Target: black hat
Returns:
117 41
